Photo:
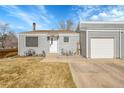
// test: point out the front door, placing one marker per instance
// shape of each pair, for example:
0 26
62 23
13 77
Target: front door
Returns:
53 46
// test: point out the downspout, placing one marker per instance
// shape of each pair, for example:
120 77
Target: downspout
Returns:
120 42
86 43
19 45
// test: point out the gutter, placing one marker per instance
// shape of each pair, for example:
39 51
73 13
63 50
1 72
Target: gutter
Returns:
86 43
120 43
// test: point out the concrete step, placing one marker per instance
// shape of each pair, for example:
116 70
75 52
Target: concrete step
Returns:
52 54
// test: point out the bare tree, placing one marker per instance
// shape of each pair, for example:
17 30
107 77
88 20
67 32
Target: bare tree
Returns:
69 24
3 34
7 37
66 25
11 40
62 25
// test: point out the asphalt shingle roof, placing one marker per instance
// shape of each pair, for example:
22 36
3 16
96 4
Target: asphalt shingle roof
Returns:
48 31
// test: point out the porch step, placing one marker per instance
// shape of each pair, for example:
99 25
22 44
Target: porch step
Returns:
52 54
55 57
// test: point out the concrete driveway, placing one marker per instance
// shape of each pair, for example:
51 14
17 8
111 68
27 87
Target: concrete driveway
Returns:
91 73
102 73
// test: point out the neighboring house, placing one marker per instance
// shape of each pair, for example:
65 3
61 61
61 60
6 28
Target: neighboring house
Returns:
102 39
50 41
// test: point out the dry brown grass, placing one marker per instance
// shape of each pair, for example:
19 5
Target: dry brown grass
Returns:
29 72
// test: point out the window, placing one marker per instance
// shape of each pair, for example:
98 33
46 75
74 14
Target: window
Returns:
31 41
66 39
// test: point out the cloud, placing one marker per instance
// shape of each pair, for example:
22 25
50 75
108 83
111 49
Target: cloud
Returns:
2 23
36 14
101 13
94 17
84 12
113 15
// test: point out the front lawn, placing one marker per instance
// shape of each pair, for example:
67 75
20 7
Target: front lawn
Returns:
29 72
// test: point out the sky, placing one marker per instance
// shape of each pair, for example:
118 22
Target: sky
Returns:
21 17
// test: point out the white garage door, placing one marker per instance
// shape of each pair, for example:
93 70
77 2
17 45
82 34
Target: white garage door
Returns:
102 48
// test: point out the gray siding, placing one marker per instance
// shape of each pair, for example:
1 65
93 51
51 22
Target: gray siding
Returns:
97 29
83 43
105 34
122 44
101 25
68 46
43 44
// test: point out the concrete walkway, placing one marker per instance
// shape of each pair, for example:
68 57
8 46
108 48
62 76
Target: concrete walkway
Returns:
60 58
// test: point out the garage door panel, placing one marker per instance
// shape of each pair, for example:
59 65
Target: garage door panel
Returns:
102 48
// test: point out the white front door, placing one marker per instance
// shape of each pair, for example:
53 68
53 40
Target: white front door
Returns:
102 48
53 46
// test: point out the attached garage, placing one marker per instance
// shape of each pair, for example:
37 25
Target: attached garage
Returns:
101 39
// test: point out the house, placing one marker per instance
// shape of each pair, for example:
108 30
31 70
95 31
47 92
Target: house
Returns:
101 39
93 39
49 41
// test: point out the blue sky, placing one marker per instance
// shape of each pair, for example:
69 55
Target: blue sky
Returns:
20 18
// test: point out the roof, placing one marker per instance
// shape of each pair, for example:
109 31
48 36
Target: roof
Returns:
48 31
101 25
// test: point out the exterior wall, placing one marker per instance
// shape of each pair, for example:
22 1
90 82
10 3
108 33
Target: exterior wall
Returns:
43 44
83 43
106 34
122 44
101 25
68 46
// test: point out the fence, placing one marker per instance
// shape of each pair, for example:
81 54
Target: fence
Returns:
8 52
